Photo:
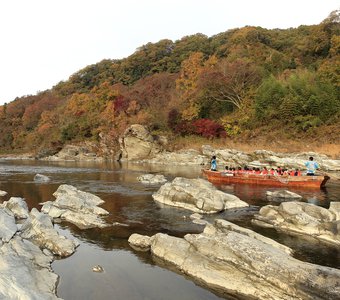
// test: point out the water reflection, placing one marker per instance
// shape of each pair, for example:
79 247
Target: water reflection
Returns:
134 275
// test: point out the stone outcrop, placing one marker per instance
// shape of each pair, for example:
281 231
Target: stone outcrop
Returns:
17 206
39 229
83 152
239 262
77 207
197 195
137 143
152 179
303 218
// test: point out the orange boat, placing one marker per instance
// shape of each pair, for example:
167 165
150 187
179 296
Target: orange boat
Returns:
271 180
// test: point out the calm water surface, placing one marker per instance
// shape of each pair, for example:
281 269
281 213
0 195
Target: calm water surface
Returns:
135 275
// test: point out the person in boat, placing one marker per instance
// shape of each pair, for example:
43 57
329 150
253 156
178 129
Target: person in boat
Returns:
239 170
297 172
279 171
312 166
264 171
213 164
285 172
272 171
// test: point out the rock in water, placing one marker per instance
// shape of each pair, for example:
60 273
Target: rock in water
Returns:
197 195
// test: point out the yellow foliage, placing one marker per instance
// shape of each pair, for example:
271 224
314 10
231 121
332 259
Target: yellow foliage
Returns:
186 84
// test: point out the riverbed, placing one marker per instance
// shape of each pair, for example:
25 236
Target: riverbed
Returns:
135 275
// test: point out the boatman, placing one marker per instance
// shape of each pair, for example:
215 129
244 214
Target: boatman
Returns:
312 166
213 164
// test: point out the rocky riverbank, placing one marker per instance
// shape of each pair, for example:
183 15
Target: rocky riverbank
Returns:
138 145
29 242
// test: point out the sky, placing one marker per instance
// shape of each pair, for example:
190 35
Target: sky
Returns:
46 41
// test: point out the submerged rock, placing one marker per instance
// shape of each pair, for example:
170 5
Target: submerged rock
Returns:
240 262
3 193
197 195
77 207
41 178
152 179
282 195
302 218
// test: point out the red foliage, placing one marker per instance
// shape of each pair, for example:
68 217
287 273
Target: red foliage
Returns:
203 127
121 104
208 128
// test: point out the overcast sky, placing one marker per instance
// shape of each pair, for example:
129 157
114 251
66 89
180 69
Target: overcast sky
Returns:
46 41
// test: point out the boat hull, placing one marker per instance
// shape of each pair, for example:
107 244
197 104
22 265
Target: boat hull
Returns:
270 180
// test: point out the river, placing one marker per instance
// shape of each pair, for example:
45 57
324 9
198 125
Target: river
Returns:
135 275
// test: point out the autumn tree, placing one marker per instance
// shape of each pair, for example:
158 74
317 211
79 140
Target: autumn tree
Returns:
230 82
187 85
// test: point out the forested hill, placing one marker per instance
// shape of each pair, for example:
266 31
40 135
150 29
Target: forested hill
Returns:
244 82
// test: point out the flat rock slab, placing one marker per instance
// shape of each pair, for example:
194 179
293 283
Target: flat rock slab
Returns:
242 263
197 195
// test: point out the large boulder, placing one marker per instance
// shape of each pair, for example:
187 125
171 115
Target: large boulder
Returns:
197 195
302 218
77 207
39 229
137 143
242 263
26 272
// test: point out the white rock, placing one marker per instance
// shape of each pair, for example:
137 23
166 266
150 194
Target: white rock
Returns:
140 242
17 206
39 229
244 264
41 178
283 194
3 193
77 207
8 226
26 272
302 218
197 195
152 179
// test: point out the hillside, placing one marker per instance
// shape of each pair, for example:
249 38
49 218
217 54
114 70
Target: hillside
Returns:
245 85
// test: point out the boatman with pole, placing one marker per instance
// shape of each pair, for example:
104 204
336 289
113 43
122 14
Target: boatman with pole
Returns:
312 166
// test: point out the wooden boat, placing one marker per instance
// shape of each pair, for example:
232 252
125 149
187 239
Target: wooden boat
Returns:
270 180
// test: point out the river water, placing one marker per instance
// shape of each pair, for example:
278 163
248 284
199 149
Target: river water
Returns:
135 275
